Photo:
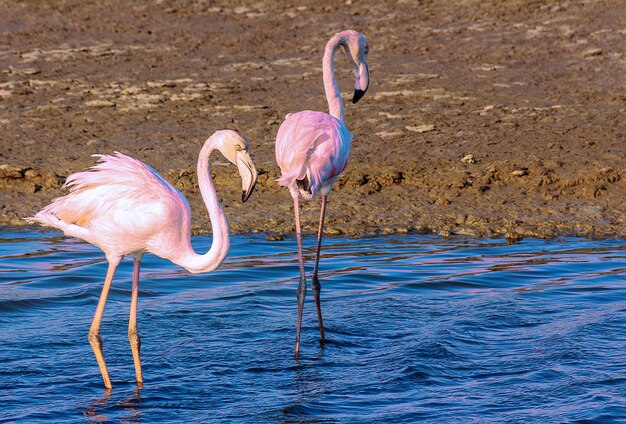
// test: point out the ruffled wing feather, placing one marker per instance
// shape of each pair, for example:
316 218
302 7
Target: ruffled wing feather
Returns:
117 182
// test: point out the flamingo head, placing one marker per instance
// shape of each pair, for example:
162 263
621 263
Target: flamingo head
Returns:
356 48
235 148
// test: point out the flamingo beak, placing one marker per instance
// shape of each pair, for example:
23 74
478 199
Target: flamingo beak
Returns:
362 82
248 173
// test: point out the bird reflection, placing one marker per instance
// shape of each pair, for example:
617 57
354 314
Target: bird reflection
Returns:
96 412
309 385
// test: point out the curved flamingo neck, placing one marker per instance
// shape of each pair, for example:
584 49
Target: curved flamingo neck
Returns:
333 95
190 260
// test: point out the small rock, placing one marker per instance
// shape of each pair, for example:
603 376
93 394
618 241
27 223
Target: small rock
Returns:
427 76
275 237
519 172
248 108
486 109
100 103
239 10
387 231
468 159
30 71
420 128
334 231
512 237
11 171
592 52
388 134
31 173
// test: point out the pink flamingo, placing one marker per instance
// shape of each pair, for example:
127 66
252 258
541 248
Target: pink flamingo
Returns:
312 149
124 207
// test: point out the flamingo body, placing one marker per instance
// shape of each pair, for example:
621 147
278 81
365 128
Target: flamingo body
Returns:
117 205
123 206
312 149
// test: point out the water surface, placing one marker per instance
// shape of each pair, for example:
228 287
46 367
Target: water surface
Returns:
419 328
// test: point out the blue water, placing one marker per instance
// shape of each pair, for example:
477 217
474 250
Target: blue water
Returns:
419 328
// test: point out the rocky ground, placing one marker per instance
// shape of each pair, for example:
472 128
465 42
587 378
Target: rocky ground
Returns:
533 90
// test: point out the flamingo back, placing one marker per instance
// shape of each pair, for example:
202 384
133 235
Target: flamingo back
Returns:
311 148
117 202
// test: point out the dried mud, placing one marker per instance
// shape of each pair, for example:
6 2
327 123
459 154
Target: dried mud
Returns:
483 117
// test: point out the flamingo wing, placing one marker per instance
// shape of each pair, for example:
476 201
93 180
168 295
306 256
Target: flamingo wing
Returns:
312 149
118 197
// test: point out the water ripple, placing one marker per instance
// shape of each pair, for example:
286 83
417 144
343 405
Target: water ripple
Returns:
419 329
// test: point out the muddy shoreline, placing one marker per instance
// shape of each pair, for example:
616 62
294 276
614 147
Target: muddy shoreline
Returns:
534 91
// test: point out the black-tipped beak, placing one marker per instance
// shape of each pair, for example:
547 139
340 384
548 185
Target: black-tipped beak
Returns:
245 195
357 95
248 174
362 75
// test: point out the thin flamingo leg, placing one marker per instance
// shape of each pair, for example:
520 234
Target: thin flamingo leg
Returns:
315 282
301 293
133 335
94 331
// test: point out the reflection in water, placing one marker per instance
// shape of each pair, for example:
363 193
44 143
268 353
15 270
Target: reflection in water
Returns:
308 387
92 411
130 406
418 328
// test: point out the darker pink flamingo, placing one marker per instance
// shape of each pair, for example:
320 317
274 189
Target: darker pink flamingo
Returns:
312 149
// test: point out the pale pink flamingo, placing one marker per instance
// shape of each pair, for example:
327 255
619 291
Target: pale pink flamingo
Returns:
312 149
124 207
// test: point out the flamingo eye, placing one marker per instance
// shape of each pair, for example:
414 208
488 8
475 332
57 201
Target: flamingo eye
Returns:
237 147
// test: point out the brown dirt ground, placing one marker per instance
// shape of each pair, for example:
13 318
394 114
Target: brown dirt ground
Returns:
534 90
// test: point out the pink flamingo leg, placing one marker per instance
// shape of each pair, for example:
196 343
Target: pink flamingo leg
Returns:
315 282
301 293
133 335
94 332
